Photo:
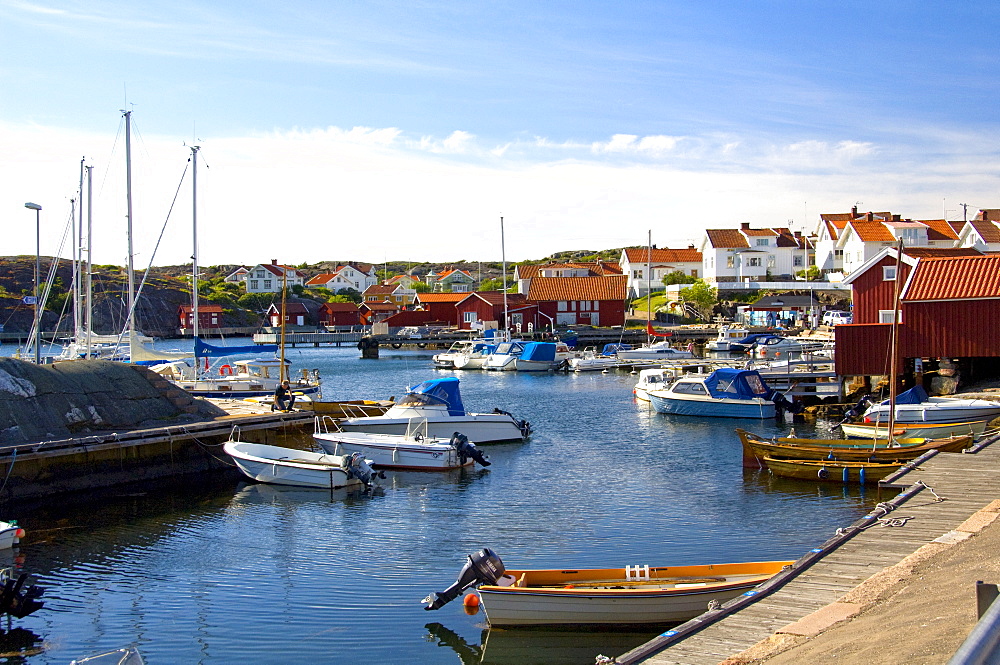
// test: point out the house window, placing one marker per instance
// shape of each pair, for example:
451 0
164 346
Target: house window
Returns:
754 262
562 306
636 274
797 261
469 317
596 305
839 253
585 306
762 242
731 262
694 273
254 284
885 316
889 275
260 274
711 262
267 283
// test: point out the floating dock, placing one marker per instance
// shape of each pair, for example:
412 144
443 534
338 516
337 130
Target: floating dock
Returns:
942 494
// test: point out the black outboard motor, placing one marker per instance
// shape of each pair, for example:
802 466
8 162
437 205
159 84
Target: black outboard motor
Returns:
522 425
483 567
858 408
783 404
466 449
356 467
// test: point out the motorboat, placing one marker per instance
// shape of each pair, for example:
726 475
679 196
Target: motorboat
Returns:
975 428
756 448
237 379
726 337
767 345
578 596
915 406
543 357
466 348
10 535
299 468
592 361
655 378
413 450
476 358
439 402
726 392
661 351
504 356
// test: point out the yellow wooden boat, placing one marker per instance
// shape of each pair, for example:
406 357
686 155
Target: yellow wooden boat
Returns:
755 448
834 471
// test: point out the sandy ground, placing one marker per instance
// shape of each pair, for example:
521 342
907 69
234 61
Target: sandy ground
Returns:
916 612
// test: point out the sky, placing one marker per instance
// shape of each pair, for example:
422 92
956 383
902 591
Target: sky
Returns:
404 130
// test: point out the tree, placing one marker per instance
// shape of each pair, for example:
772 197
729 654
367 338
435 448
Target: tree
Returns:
678 277
812 274
702 297
491 285
422 287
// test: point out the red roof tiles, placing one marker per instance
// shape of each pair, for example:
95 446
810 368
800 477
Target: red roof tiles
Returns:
965 278
612 287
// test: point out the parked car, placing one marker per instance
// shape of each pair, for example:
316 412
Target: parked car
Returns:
835 317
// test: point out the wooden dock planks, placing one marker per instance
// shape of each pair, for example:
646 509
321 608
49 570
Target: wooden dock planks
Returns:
966 483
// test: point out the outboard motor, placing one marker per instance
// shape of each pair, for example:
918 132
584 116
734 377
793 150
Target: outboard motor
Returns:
483 567
356 467
858 408
522 425
466 449
783 404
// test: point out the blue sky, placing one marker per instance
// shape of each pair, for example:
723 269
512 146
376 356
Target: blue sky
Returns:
403 130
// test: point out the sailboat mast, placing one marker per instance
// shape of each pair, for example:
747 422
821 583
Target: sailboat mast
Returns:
649 285
503 257
128 198
282 373
194 240
89 320
894 340
77 261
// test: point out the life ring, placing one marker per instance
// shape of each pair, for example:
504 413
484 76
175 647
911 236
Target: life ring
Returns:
823 474
226 370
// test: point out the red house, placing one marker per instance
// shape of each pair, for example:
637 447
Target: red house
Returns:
209 316
339 314
441 306
375 312
574 301
478 308
296 314
949 305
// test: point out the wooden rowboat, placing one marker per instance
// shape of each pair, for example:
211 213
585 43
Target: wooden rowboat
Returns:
834 471
914 430
633 595
755 448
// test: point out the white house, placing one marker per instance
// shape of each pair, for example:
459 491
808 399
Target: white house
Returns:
237 276
450 279
640 263
754 255
864 237
269 277
983 232
348 276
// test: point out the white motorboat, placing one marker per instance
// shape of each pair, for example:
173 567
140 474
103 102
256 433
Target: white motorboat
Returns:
726 337
504 357
467 349
726 392
10 535
413 450
915 406
543 357
439 402
592 361
298 468
661 351
767 345
656 378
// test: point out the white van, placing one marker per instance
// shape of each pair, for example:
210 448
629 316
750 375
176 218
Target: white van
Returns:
834 317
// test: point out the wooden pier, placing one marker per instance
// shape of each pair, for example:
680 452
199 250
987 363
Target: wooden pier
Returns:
942 492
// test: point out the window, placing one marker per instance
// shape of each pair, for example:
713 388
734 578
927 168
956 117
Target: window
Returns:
469 317
689 388
797 261
584 305
889 275
267 283
561 306
637 274
754 262
762 242
731 262
254 284
694 273
839 253
885 316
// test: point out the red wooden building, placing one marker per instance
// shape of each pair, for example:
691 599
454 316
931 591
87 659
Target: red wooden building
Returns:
209 316
949 306
478 308
441 306
339 314
375 312
296 314
574 301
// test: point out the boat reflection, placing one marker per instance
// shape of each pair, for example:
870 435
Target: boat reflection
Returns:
538 646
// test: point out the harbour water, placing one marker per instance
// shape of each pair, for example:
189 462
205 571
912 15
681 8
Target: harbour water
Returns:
217 570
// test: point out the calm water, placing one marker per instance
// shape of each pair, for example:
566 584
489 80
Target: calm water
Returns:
221 571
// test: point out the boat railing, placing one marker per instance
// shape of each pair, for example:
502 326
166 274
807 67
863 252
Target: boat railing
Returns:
417 428
326 424
234 434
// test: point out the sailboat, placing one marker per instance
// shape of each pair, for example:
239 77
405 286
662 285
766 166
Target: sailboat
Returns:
657 346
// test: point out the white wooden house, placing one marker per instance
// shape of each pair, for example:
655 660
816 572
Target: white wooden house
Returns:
269 277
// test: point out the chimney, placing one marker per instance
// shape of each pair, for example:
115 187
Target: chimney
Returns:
745 226
274 262
691 246
798 234
854 211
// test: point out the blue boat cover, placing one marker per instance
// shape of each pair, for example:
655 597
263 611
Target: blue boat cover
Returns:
539 351
737 384
757 338
612 349
203 350
914 395
443 391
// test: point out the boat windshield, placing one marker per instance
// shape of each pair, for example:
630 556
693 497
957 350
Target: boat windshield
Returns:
509 348
421 399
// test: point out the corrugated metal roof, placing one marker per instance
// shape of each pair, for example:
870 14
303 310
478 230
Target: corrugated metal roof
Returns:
611 287
965 277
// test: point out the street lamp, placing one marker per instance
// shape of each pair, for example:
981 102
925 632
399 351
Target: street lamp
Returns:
38 249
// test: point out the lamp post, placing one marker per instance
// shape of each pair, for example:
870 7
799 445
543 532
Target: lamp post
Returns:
38 248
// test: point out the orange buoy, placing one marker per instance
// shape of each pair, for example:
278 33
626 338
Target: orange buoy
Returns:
471 600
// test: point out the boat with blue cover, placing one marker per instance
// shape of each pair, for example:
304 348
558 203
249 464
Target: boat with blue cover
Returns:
439 402
725 393
543 357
